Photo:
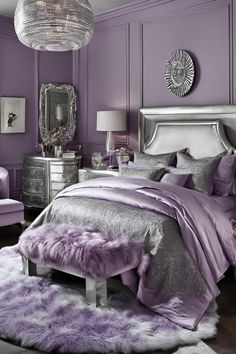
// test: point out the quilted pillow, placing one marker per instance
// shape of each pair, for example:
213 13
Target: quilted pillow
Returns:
224 179
202 170
153 174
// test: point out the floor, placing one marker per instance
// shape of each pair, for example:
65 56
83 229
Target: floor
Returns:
224 343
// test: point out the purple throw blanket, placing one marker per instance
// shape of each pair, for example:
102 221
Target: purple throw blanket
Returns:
206 231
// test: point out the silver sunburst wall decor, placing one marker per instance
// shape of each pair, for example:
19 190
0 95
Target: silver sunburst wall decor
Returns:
179 73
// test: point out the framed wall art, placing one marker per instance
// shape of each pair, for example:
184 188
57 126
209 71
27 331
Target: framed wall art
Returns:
12 115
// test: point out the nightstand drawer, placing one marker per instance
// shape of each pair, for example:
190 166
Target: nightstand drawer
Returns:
64 177
35 200
33 185
33 172
33 163
63 168
58 187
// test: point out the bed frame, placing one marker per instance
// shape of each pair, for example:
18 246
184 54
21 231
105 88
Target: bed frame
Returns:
200 128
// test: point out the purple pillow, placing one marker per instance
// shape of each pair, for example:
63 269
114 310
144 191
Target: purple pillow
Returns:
224 179
176 179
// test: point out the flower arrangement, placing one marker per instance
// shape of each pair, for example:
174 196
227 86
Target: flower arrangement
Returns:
124 151
58 136
123 155
61 136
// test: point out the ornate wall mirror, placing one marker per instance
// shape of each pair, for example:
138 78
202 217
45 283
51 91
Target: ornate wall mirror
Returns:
57 110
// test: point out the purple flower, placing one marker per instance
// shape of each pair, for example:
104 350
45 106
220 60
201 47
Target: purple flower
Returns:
38 147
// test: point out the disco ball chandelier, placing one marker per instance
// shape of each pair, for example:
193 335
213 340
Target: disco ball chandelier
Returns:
54 25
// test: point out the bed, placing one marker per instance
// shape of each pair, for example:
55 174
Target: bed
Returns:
180 282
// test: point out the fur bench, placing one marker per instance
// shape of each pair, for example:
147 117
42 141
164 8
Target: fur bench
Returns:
80 251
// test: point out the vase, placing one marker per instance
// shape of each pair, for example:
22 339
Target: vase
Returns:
58 151
122 159
45 150
96 160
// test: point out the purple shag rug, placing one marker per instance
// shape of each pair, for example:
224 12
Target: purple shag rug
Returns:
37 312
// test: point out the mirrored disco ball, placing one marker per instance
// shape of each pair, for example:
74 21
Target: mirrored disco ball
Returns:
54 25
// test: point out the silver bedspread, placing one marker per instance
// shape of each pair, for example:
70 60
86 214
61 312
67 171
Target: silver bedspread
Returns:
172 273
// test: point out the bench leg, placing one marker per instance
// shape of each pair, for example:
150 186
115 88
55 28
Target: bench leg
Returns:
22 226
96 292
29 268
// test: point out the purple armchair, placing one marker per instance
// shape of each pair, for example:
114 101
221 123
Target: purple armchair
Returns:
11 211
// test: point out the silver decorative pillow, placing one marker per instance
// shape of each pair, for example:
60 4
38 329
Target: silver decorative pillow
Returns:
202 170
152 160
174 170
153 174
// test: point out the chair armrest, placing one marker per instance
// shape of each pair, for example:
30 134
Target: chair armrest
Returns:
4 183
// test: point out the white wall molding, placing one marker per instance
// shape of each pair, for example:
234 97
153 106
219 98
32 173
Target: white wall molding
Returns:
129 8
146 4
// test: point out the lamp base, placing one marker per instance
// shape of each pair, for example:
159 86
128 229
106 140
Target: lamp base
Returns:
110 145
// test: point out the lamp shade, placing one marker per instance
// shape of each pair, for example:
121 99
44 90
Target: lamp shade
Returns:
54 25
113 121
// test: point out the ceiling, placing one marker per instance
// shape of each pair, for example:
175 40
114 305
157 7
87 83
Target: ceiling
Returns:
7 7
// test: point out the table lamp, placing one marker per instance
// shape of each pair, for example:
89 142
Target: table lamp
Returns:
111 121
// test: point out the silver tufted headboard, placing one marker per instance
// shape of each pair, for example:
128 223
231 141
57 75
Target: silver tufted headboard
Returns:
200 128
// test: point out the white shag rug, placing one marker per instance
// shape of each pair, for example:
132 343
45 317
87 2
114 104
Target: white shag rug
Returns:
38 312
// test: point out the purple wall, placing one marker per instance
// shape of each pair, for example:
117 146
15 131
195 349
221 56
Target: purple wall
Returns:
123 66
22 71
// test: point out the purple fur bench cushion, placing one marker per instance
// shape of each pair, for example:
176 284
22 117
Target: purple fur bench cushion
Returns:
81 251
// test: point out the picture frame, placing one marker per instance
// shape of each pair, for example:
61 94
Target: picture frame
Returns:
12 115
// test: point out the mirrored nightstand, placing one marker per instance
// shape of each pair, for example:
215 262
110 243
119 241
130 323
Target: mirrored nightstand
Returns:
44 177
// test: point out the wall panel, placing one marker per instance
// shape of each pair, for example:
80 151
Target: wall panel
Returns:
205 35
205 28
22 71
122 68
108 76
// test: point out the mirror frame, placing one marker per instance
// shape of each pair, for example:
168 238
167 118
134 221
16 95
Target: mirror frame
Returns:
43 106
